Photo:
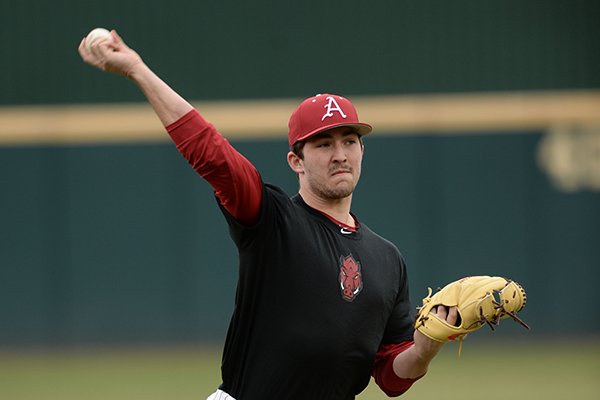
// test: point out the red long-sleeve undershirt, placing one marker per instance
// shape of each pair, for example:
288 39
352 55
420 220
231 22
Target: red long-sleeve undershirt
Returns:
236 182
238 186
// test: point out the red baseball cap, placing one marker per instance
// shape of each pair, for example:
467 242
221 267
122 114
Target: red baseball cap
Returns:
320 113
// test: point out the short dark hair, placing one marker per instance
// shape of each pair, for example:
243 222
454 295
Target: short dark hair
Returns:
298 149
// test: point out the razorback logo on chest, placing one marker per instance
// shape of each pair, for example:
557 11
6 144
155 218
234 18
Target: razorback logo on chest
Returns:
350 278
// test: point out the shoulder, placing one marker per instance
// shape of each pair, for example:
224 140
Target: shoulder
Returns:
377 240
276 205
275 192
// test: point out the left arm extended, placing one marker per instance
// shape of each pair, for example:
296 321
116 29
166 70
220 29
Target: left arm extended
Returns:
414 361
398 366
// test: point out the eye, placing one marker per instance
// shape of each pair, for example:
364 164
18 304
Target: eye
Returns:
351 140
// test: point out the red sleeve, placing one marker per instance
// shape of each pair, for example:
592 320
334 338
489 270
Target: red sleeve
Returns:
235 180
383 371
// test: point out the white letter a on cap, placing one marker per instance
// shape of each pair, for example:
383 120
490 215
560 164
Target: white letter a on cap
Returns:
332 106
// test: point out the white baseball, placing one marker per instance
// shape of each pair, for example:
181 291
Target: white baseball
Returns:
95 34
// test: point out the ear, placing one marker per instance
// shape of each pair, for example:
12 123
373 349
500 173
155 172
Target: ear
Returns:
295 162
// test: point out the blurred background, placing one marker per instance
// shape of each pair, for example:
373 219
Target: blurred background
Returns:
117 275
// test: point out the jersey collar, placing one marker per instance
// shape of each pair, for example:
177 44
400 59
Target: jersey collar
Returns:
342 228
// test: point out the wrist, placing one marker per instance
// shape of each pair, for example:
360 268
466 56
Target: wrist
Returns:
136 70
425 348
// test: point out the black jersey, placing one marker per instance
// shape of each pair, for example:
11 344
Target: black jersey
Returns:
314 302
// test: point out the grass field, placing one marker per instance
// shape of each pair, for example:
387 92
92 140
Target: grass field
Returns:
548 371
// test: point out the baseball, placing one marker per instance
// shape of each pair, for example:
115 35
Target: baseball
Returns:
95 34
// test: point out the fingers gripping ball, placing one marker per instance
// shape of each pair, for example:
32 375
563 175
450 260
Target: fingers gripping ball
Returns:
479 300
96 34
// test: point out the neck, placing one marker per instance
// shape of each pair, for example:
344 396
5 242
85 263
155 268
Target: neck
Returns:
338 209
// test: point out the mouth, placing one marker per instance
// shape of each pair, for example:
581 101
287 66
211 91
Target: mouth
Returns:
340 171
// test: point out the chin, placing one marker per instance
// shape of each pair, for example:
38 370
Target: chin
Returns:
340 192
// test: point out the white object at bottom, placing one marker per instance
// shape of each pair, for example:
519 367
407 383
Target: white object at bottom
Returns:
219 395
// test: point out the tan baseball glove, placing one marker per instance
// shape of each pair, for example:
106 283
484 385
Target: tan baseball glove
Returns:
479 300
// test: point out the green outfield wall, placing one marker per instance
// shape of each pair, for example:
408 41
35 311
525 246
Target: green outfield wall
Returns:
125 243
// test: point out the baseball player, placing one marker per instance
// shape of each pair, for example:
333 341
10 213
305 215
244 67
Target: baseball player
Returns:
322 302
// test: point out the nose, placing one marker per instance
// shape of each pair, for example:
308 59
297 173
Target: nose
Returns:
339 154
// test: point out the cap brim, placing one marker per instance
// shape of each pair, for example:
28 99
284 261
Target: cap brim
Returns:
361 128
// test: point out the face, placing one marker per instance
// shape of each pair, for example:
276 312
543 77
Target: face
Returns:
331 163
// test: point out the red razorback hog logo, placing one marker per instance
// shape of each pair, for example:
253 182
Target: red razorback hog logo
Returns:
350 278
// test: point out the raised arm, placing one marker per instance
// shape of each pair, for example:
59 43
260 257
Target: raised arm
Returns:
234 179
116 57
